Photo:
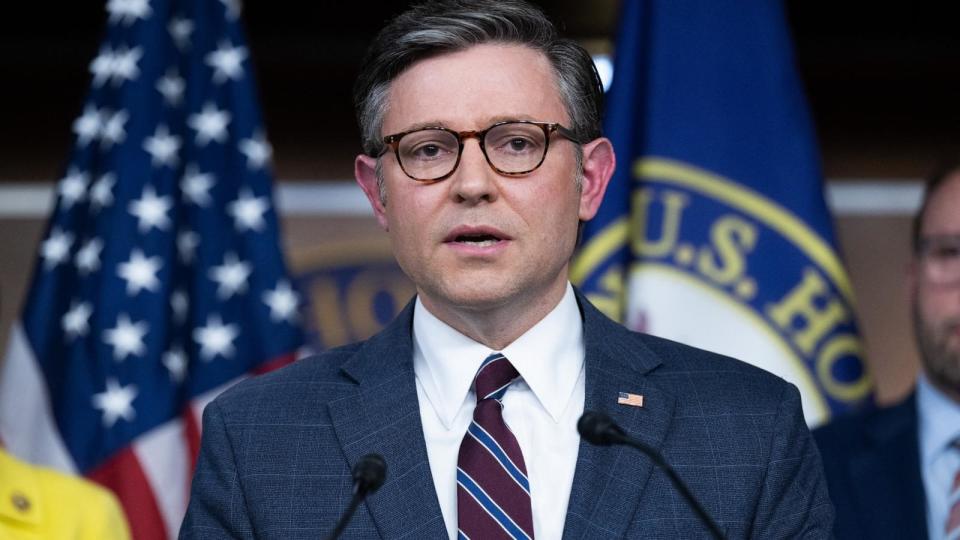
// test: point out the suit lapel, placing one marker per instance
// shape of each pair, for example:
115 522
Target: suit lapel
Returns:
608 481
383 416
886 480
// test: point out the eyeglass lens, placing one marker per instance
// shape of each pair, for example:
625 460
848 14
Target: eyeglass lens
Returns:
940 257
510 148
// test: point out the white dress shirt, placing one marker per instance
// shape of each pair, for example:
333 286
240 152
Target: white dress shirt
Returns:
541 408
939 418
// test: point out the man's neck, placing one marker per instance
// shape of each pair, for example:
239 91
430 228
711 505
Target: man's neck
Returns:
500 325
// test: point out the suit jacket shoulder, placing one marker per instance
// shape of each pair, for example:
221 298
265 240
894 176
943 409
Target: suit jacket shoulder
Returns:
872 462
277 450
733 432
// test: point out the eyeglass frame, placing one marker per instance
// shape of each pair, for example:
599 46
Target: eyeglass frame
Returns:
923 255
549 128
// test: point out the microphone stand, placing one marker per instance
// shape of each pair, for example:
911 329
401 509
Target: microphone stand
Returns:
368 475
599 429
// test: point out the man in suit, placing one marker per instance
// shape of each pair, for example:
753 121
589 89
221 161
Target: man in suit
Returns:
482 155
895 472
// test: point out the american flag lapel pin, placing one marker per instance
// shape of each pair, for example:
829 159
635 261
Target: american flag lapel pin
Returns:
633 400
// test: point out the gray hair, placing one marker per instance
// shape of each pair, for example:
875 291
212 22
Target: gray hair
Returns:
442 26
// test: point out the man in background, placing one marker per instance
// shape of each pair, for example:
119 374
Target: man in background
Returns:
895 472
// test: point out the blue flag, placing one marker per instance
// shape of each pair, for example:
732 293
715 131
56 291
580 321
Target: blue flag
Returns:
160 279
714 230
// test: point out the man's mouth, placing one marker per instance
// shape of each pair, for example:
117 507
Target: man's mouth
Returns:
476 236
479 240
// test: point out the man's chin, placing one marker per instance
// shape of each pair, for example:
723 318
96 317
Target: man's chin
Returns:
478 299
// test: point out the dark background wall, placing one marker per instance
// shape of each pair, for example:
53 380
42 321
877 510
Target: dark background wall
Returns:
883 81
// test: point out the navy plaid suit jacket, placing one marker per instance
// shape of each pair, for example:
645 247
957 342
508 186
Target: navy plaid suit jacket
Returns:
277 450
872 463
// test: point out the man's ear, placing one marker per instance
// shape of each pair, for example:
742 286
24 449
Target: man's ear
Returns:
599 162
365 171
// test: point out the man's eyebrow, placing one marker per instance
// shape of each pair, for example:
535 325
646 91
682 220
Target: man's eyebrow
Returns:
421 125
484 125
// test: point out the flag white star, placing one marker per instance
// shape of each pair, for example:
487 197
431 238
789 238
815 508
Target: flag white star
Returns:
247 211
226 62
126 338
101 193
128 11
163 147
76 322
196 185
150 210
56 248
171 86
233 7
180 304
102 66
72 187
187 242
180 29
125 65
88 257
116 402
140 272
283 302
215 338
113 130
175 360
231 276
87 125
115 65
257 150
210 124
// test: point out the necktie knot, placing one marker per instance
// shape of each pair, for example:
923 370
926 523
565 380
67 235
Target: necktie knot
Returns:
494 376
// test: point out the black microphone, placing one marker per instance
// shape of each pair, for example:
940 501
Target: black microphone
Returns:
368 475
599 429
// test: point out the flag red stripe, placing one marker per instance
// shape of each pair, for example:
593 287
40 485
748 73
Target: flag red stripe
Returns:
276 363
191 432
122 474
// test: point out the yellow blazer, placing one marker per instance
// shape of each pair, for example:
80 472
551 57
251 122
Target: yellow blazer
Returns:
39 503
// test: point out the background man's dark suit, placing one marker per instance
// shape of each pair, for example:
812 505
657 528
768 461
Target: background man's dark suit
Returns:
277 450
872 463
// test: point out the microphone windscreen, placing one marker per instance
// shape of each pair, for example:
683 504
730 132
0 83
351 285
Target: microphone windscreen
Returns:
370 472
598 428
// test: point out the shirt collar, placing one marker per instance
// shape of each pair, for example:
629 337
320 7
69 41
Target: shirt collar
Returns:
548 356
939 418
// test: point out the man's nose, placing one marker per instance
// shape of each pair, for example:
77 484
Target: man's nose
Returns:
474 181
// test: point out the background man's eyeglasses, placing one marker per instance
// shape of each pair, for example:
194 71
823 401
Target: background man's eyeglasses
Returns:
511 148
939 257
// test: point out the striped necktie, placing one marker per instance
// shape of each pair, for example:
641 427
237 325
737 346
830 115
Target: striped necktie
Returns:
493 493
952 527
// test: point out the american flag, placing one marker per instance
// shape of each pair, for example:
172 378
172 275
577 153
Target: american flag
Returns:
634 400
160 279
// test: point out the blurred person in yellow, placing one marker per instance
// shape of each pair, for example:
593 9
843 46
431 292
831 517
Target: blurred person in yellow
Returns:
40 503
